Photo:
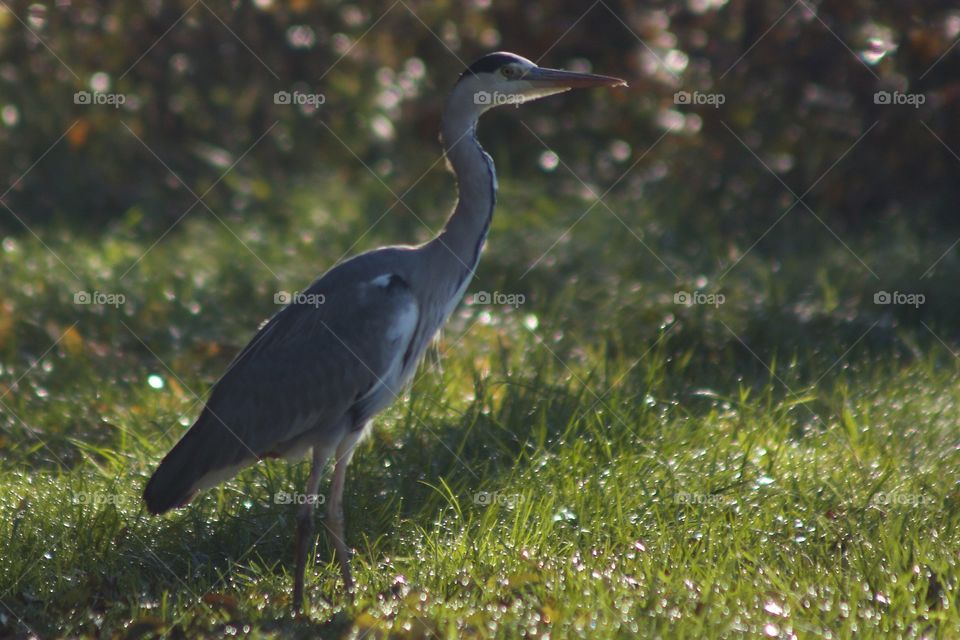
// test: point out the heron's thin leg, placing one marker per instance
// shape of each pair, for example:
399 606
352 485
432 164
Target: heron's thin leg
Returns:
334 519
304 539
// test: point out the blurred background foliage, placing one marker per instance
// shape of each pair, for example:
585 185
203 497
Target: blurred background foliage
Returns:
199 116
202 176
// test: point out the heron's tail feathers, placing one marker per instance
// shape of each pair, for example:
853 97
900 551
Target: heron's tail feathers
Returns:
199 461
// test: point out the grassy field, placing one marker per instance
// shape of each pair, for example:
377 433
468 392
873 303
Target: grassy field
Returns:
588 459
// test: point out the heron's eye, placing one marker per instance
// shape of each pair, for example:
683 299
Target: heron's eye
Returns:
510 72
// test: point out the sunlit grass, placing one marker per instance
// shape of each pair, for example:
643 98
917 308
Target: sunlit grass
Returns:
598 462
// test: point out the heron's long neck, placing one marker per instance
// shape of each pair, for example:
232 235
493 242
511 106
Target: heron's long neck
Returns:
465 232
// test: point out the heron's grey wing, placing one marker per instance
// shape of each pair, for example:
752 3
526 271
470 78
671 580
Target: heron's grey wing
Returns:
304 370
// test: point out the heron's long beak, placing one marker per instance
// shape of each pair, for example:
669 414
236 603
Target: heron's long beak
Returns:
570 79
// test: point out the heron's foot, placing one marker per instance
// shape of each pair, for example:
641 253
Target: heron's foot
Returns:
297 604
341 551
347 577
303 544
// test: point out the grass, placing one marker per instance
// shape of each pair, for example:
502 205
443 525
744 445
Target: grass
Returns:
597 462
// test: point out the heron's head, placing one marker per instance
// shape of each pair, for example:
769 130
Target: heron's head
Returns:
503 78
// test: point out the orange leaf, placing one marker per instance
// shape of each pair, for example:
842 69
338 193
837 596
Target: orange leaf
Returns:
78 134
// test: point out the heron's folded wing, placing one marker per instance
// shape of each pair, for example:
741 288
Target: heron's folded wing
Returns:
303 370
311 362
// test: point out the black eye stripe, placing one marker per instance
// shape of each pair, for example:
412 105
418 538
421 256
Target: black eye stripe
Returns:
491 62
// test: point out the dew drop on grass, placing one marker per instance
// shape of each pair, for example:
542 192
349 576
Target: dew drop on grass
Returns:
564 514
155 381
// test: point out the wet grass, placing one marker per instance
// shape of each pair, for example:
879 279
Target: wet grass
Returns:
597 461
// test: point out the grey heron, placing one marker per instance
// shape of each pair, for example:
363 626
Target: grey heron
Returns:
315 375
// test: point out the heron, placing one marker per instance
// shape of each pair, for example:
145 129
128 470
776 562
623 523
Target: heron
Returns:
315 375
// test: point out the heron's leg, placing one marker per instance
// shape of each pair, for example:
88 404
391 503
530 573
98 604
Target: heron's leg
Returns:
334 519
304 539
